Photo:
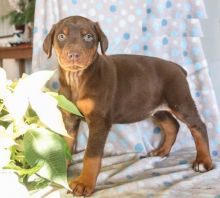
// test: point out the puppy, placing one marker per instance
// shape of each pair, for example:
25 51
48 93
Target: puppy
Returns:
119 89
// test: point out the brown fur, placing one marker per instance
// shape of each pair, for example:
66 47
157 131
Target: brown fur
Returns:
120 89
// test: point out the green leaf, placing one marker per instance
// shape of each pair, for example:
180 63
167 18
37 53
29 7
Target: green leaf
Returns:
1 106
42 144
37 184
67 151
6 118
65 104
23 171
32 120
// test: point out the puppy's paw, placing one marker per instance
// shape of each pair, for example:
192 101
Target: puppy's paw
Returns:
202 165
81 187
161 152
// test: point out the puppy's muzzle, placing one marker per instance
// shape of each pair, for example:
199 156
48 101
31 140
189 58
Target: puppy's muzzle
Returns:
73 56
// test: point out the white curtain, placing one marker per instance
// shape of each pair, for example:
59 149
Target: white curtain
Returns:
165 28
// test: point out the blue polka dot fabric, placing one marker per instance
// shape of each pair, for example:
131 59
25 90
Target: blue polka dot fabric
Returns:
169 29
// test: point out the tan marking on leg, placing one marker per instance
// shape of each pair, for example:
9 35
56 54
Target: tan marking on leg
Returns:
170 132
91 168
198 130
203 158
85 183
86 106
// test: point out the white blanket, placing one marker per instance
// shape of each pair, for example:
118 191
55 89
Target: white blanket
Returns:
129 175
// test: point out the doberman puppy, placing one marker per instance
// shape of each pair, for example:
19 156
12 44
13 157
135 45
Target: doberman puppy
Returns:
119 89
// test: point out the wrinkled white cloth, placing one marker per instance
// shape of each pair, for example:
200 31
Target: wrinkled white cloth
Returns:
128 175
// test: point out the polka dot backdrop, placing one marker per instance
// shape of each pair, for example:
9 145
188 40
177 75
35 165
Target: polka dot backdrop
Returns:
165 28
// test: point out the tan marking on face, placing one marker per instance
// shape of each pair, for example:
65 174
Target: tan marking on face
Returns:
66 30
84 32
86 106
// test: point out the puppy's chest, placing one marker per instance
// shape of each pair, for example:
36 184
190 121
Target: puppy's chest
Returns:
72 79
73 82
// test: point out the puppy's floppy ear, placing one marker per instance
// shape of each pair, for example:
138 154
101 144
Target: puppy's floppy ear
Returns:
48 42
102 38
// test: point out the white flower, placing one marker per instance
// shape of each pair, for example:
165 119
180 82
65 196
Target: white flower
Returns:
5 155
10 186
6 137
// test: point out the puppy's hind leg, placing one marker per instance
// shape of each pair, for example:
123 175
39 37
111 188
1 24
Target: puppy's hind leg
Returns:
170 127
198 130
184 108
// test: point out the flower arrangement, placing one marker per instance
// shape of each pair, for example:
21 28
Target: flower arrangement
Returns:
31 127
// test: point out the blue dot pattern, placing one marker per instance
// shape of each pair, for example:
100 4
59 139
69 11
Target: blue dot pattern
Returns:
144 29
149 11
164 28
74 1
165 41
139 148
167 184
126 36
168 4
113 8
215 153
157 130
150 195
129 177
55 85
164 22
145 47
155 174
183 162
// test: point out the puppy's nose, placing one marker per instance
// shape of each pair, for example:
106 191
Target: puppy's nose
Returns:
74 56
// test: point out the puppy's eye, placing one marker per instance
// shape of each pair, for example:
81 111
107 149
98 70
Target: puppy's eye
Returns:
61 37
88 38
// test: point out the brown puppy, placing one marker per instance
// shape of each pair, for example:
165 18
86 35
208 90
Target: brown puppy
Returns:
120 89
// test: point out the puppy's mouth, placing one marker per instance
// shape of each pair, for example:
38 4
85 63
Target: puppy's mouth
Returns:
72 66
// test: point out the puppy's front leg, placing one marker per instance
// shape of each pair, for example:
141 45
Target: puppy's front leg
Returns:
85 183
72 125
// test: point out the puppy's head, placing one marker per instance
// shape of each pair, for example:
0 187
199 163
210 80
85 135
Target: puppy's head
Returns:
75 40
